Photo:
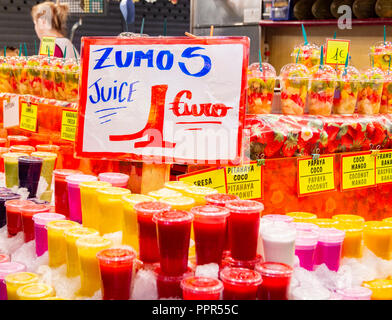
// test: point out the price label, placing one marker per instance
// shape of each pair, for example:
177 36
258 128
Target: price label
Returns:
213 178
47 44
337 51
384 167
358 171
246 181
28 117
315 176
68 125
11 112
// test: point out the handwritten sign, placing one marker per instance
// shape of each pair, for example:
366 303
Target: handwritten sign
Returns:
315 176
68 125
47 44
11 111
28 117
337 51
213 178
174 100
358 171
245 181
384 167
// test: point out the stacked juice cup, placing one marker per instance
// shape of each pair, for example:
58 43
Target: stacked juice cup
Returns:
346 92
381 55
201 288
386 98
16 280
370 91
7 268
4 197
305 247
275 280
329 248
307 54
261 85
35 291
14 216
199 194
240 283
378 238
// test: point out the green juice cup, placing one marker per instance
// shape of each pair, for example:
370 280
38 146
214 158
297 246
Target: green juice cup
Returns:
48 164
11 168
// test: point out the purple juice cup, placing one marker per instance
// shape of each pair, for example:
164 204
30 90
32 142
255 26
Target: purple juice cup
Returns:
305 247
29 172
329 248
7 268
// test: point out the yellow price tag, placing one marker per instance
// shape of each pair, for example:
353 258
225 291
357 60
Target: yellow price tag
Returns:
337 51
384 167
47 43
68 125
245 181
28 117
316 176
213 178
358 171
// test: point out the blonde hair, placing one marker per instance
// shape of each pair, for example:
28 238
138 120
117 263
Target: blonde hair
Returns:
55 14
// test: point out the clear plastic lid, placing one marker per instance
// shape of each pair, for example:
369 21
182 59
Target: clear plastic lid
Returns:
13 156
61 224
381 47
164 192
377 225
378 284
202 285
294 71
220 199
240 276
21 278
149 208
93 242
279 231
35 290
244 206
95 184
44 217
249 264
306 226
44 155
306 238
116 256
196 190
307 50
268 71
302 215
135 198
10 267
31 210
352 73
349 218
373 74
274 269
15 205
6 196
172 217
178 201
4 258
114 177
355 293
22 148
18 138
210 213
113 192
177 185
75 179
78 232
63 173
325 222
278 217
29 159
331 235
323 73
47 147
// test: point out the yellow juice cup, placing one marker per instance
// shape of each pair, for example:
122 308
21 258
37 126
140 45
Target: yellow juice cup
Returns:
388 220
179 203
378 238
130 225
35 291
56 241
199 193
381 288
349 218
325 223
89 202
111 209
302 216
71 235
16 280
178 186
164 192
90 277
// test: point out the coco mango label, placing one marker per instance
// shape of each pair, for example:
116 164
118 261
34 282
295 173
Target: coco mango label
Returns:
358 171
384 167
207 178
315 176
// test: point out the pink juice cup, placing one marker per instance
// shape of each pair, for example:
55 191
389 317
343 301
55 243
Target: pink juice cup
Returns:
355 293
115 178
209 226
276 280
305 247
201 288
174 233
40 232
7 268
244 228
75 207
306 226
240 283
329 248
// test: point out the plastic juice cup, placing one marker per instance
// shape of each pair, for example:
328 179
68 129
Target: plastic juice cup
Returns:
3 142
251 264
381 288
75 207
201 288
170 286
117 179
199 194
377 237
346 91
88 247
29 172
7 268
164 192
57 247
381 54
240 283
27 212
179 203
370 91
388 220
329 248
244 224
148 241
16 139
173 231
2 151
48 164
89 202
263 224
278 217
261 86
312 293
40 232
35 291
276 280
11 168
111 212
279 242
20 148
210 233
61 190
48 148
16 280
130 225
305 247
52 298
308 54
349 218
116 267
178 186
72 259
4 258
302 216
386 98
4 197
355 293
14 217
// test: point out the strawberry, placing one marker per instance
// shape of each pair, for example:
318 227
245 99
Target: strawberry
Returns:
379 134
332 131
290 146
346 143
273 142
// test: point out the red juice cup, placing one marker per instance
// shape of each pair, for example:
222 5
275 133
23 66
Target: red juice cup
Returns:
244 228
2 151
148 241
276 280
14 217
251 264
170 286
305 247
3 142
201 288
27 213
240 283
7 268
16 139
4 197
329 248
174 234
40 232
116 266
115 178
4 258
22 148
209 226
61 190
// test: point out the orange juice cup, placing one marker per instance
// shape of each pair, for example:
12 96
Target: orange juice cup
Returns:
378 238
381 288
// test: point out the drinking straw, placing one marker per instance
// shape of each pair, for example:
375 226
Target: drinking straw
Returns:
211 31
296 59
322 57
76 56
346 65
142 27
304 35
35 47
20 49
48 54
5 51
260 62
334 36
389 66
25 48
65 54
385 34
165 27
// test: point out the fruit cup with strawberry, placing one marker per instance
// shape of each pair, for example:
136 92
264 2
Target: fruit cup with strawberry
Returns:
381 55
7 82
386 98
47 73
294 78
21 75
34 75
261 85
71 69
307 54
321 90
370 91
59 79
346 92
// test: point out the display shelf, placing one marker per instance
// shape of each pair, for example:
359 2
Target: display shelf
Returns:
328 22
